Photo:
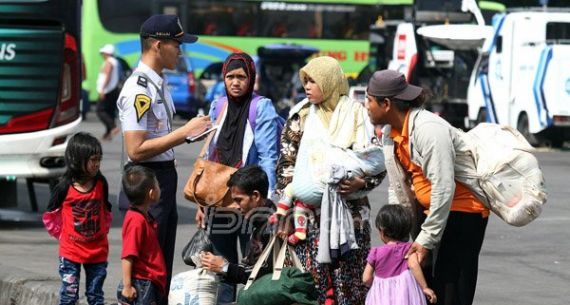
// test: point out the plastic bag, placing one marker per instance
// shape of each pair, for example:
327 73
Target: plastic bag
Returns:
509 173
199 242
197 287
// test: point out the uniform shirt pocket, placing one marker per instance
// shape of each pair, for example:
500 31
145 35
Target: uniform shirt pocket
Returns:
161 116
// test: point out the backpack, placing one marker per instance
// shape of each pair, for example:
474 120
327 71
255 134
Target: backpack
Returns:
252 117
508 173
124 71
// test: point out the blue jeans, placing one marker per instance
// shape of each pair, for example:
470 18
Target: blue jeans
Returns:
95 275
147 293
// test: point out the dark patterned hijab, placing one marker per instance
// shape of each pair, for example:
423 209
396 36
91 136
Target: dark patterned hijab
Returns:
230 140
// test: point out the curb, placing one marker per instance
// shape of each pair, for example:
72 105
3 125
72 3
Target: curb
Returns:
21 287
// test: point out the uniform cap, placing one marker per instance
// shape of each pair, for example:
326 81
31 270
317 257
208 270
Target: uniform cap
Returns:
388 83
166 27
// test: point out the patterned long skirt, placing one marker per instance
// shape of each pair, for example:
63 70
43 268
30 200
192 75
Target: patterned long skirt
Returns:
342 282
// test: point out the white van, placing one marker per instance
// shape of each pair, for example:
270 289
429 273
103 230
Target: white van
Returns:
438 49
522 77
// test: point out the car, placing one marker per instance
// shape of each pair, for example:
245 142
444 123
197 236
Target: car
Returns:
211 82
186 94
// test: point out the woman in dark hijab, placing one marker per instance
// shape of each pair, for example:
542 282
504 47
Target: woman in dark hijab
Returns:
238 70
248 134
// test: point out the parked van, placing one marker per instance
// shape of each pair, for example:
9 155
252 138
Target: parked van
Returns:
438 49
522 77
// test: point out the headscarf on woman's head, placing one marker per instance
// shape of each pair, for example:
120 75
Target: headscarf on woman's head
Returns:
328 75
241 60
230 139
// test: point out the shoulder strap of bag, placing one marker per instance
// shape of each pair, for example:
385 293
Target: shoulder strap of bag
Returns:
280 261
252 116
262 259
219 105
211 136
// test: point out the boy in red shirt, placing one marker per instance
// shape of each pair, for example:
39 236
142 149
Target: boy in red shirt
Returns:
144 269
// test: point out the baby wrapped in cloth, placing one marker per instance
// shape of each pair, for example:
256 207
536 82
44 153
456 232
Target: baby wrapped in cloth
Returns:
322 163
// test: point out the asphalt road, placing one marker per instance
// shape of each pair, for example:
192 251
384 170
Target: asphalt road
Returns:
528 265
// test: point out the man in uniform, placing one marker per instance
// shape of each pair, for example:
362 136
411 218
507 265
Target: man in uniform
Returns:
146 110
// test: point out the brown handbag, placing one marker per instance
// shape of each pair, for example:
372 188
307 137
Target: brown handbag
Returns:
207 185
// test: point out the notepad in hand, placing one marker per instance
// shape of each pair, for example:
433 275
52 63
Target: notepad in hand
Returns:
194 138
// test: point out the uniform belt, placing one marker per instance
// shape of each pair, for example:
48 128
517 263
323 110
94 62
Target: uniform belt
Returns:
156 165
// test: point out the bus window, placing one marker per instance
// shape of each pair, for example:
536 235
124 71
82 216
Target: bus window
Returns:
278 19
115 18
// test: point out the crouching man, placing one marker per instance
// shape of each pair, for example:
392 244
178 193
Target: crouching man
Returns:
248 186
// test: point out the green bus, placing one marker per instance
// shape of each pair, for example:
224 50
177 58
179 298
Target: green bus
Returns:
338 28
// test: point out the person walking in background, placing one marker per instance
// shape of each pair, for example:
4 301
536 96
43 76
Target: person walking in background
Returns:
79 216
248 134
146 111
330 116
393 279
144 269
108 91
430 152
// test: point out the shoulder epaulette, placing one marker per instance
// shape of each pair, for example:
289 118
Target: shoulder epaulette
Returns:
143 82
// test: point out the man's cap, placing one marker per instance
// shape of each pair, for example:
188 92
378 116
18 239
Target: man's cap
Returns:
166 27
107 49
388 83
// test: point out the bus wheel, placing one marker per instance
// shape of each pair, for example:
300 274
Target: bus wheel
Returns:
522 127
482 116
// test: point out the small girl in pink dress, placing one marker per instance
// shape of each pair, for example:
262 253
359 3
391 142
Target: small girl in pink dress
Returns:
392 279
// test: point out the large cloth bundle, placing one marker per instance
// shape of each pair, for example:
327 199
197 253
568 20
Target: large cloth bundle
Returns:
313 170
508 173
196 287
356 150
